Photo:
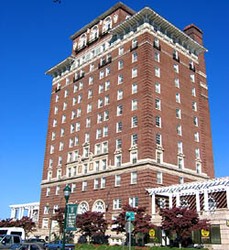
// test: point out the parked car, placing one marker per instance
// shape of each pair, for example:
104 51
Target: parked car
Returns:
31 246
58 244
38 241
10 241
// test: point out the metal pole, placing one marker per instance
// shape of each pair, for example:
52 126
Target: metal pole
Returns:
129 229
65 219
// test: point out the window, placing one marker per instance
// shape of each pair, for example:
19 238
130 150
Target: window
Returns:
197 153
192 78
178 97
177 83
76 140
120 64
119 94
85 152
46 210
134 43
156 43
193 92
89 94
175 55
101 74
156 56
194 106
134 105
117 204
158 121
55 110
133 178
134 121
180 147
103 182
159 156
134 57
133 201
117 180
133 157
89 108
118 160
118 143
96 183
159 178
134 139
118 127
119 110
64 106
100 102
86 137
71 143
195 121
179 130
106 100
105 131
157 87
158 139
120 51
57 190
48 191
53 136
120 79
181 180
157 72
98 149
134 88
104 164
59 161
84 185
197 137
62 132
54 123
176 68
98 133
88 122
78 114
198 168
158 104
77 126
90 80
106 115
134 72
73 101
66 93
105 147
180 162
51 149
63 120
178 113
61 146
107 85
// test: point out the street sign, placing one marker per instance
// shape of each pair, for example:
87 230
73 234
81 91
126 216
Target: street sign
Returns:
152 233
129 227
130 216
71 217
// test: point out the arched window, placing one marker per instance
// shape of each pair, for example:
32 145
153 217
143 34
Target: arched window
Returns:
99 206
107 24
83 41
94 33
83 207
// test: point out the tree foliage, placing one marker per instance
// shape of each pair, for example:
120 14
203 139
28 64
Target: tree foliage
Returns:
25 222
59 217
181 221
91 224
142 222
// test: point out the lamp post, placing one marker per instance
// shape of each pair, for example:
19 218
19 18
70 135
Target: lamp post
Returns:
67 191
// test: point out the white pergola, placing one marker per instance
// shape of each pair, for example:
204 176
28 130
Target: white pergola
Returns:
197 189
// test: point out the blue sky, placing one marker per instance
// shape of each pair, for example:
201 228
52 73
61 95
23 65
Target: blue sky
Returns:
35 35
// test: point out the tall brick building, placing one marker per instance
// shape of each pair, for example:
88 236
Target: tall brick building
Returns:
129 111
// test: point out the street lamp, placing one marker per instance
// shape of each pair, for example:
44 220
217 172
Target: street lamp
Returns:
67 191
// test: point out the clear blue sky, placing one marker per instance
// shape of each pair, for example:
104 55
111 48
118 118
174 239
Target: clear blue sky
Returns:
35 35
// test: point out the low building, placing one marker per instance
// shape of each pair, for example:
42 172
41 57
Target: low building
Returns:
209 198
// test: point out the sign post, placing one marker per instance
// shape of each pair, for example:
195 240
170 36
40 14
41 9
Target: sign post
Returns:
130 216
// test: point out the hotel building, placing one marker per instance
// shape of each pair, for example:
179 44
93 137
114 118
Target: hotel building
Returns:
129 111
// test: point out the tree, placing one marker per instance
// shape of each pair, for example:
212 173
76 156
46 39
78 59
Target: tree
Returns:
92 224
181 221
142 223
25 222
59 217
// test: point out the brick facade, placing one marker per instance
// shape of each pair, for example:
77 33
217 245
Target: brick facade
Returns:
122 113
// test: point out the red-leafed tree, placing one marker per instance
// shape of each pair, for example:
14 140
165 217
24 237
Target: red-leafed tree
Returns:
142 222
25 222
59 217
92 224
181 221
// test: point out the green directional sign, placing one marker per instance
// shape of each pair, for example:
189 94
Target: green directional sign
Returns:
130 216
71 217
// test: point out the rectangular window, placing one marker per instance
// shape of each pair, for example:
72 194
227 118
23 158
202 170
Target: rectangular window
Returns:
105 131
89 108
134 72
103 182
133 201
180 162
158 121
194 106
98 133
118 160
120 64
134 57
134 88
107 85
197 137
134 139
133 178
119 94
84 186
157 72
158 104
134 105
176 68
118 143
178 113
118 127
117 204
119 110
159 178
178 97
180 147
120 79
134 121
156 56
106 115
157 87
96 183
158 139
179 130
117 180
133 157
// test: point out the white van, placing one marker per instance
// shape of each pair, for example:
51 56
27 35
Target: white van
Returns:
13 230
